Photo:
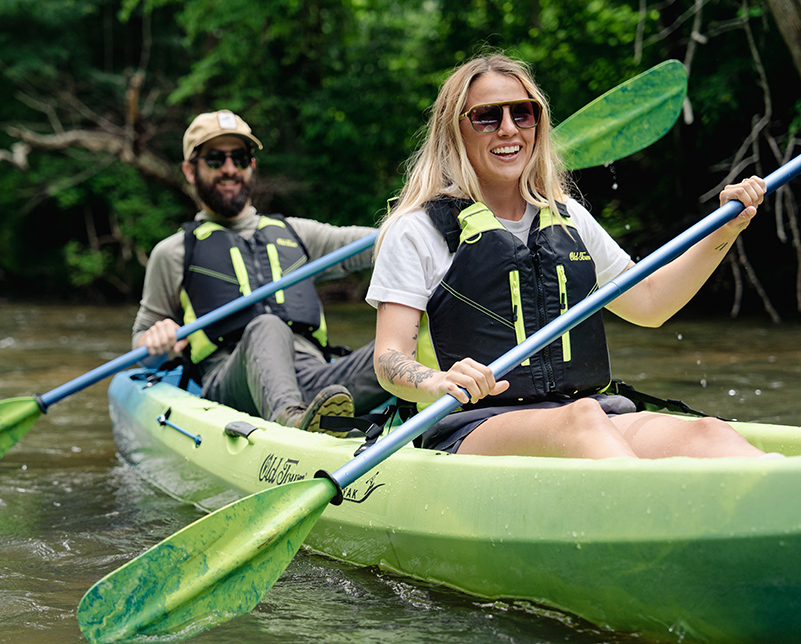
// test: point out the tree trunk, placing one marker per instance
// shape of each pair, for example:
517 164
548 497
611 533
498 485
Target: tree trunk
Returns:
788 18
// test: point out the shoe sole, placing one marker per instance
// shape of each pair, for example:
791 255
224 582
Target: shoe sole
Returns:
340 404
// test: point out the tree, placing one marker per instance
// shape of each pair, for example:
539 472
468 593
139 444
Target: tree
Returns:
337 90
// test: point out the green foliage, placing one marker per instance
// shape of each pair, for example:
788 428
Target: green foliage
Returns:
337 91
85 265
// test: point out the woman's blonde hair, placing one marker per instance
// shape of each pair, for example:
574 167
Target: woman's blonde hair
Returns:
440 165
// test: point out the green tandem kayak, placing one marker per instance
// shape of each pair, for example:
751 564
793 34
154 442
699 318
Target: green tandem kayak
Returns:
677 550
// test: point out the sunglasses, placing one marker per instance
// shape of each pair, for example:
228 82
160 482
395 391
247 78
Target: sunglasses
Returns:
215 159
489 116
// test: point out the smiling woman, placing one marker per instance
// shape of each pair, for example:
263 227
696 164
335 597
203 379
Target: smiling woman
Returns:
499 155
491 249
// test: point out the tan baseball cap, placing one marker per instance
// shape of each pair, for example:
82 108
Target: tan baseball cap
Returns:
212 124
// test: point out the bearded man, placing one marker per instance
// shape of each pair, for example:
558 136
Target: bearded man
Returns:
273 359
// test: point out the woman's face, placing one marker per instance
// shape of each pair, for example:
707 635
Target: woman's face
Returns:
498 157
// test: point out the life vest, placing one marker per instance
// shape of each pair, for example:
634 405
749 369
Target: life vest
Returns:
220 266
498 291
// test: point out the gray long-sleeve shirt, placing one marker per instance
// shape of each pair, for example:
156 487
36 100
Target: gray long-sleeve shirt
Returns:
161 296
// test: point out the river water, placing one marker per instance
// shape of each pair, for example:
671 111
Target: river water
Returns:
71 512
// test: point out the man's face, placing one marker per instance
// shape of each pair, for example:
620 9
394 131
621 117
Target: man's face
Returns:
224 189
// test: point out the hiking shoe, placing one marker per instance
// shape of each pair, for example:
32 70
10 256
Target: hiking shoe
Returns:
334 400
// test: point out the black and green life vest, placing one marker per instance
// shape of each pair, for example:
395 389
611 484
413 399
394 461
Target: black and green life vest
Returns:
220 266
498 291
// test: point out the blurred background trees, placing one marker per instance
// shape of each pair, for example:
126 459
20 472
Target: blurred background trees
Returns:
97 94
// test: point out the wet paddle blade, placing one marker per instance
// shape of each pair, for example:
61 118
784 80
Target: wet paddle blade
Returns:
17 415
213 570
626 119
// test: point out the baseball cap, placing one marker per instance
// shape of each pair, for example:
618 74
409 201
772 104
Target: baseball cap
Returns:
212 124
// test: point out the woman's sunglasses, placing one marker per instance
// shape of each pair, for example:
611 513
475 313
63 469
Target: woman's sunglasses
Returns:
488 116
215 159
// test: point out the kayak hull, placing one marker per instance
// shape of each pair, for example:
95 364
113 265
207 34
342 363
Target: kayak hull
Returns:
677 550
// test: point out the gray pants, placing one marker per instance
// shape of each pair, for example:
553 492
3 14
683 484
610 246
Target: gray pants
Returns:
265 373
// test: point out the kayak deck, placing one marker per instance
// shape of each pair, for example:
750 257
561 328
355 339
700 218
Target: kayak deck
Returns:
677 549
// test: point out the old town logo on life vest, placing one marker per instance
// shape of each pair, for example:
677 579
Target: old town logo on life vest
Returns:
580 256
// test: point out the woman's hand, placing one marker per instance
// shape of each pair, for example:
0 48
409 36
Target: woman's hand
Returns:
751 193
399 372
470 376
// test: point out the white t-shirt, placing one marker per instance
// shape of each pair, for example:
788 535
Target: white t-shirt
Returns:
414 256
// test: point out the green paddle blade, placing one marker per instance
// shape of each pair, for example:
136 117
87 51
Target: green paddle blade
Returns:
626 119
207 573
17 415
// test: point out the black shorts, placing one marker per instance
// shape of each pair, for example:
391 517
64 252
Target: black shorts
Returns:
447 435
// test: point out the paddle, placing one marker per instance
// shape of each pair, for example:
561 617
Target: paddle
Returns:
221 565
636 122
17 415
628 118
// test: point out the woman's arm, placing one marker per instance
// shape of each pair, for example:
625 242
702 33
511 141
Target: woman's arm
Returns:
397 329
654 300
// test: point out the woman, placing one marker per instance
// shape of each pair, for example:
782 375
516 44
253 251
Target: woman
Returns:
448 305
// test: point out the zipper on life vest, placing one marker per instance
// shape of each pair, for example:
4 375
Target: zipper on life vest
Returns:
543 320
275 268
563 306
517 310
240 270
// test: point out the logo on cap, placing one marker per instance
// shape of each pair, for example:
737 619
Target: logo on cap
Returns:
227 121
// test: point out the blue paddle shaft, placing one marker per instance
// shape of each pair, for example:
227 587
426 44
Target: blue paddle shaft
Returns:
411 429
261 293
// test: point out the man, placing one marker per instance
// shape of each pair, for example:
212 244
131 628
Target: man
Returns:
271 359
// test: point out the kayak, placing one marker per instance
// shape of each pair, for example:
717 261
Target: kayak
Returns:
674 550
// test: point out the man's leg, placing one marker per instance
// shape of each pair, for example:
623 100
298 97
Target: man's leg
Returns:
353 371
259 376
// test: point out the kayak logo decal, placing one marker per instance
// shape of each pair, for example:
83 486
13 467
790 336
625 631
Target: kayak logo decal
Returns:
356 495
277 471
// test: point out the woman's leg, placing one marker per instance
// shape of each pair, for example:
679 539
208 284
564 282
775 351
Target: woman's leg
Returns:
658 436
580 429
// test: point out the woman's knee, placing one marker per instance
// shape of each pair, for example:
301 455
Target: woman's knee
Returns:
593 435
586 413
708 431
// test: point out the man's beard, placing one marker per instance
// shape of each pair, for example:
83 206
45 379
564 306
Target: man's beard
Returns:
219 204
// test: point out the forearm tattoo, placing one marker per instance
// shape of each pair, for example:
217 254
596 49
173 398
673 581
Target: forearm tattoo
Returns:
396 367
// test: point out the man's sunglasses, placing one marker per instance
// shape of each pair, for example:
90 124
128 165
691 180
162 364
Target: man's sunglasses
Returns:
215 159
487 117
